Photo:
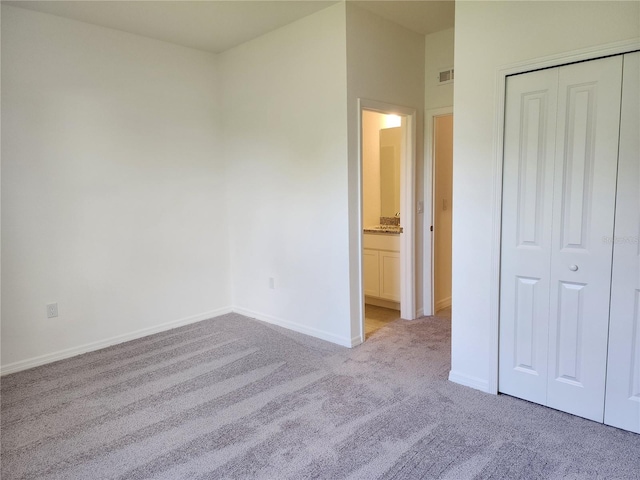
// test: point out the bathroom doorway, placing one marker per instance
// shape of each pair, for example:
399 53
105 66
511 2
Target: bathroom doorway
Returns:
387 149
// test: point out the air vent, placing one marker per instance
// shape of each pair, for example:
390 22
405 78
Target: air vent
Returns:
445 76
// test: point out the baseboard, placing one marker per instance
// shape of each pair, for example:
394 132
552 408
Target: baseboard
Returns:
420 313
296 327
469 381
444 303
90 347
381 302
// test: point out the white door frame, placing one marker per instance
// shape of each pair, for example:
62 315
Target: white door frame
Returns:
429 179
407 202
498 144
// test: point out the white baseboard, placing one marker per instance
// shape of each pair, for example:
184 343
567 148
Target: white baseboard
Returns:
381 302
444 303
296 327
90 347
469 381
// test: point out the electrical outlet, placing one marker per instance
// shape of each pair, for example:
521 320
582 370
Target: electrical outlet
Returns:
52 310
272 283
420 206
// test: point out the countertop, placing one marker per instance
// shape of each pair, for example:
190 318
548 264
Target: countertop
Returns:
384 229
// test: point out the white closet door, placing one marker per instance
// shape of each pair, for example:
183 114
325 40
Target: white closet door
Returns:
584 204
622 406
530 126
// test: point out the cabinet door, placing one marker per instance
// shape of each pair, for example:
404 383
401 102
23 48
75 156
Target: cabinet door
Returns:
622 406
583 211
371 267
390 275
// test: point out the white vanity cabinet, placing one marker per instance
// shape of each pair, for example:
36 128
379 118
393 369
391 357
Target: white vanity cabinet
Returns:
381 265
371 267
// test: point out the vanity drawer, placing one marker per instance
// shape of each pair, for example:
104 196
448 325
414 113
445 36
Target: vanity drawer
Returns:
381 241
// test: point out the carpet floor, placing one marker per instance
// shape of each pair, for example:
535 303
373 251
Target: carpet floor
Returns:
232 398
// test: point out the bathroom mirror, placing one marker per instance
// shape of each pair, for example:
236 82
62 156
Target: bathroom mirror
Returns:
390 171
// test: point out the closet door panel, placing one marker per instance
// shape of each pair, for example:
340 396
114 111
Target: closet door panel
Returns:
530 125
584 202
622 406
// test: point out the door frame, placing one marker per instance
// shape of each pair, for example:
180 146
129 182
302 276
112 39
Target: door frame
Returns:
429 182
502 73
407 201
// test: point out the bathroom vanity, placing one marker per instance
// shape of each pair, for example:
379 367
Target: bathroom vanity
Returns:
381 265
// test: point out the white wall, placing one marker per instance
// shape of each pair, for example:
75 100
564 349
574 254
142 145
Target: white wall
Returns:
285 131
386 64
438 53
489 35
439 49
113 187
118 205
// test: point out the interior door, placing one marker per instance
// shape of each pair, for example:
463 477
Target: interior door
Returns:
442 209
622 406
530 129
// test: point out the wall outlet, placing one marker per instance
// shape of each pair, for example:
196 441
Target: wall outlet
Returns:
272 283
420 206
52 310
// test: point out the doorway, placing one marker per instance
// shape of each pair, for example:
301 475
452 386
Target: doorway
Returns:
439 175
387 150
442 208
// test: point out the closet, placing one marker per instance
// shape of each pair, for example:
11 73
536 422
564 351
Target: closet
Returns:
570 251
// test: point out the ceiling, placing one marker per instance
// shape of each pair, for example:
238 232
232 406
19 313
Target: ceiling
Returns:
216 26
421 16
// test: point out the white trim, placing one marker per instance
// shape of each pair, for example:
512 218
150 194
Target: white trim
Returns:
502 72
444 303
360 227
381 302
407 218
429 191
297 327
469 381
90 347
407 206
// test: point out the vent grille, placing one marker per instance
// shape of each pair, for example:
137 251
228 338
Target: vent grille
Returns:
445 76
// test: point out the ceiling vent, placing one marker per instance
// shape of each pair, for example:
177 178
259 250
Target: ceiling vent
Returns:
445 76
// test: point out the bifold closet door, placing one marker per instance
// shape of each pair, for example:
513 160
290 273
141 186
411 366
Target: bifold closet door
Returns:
584 205
558 204
529 149
622 406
